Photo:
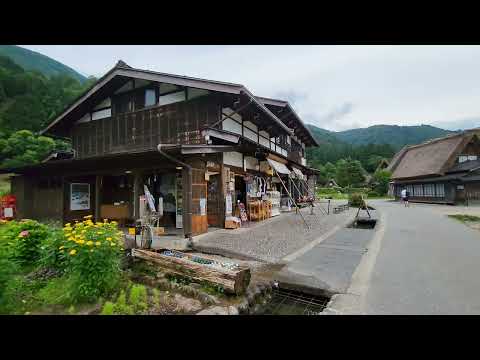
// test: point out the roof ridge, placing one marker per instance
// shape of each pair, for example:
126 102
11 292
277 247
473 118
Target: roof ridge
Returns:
435 140
187 77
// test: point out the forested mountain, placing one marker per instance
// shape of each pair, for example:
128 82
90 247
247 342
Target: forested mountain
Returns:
394 135
368 146
29 99
31 60
28 102
397 136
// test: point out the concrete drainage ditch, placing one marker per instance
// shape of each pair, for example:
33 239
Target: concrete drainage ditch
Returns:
291 302
363 223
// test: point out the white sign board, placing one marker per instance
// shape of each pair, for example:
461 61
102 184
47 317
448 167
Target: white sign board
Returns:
79 196
8 212
148 195
228 204
203 206
160 206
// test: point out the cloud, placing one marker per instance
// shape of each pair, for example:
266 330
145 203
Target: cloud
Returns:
333 119
333 87
460 124
292 96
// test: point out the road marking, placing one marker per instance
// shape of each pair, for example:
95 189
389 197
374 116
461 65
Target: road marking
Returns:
314 243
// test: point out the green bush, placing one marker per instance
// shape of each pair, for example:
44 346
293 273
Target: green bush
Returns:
92 258
58 291
329 190
355 200
138 298
120 307
50 256
24 239
108 308
373 193
7 269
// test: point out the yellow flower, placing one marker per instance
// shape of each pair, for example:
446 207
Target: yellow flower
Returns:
112 244
61 247
71 238
90 243
109 238
84 231
68 235
88 217
73 252
81 242
98 243
68 225
114 222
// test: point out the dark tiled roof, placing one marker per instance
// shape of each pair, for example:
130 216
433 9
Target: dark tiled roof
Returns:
465 166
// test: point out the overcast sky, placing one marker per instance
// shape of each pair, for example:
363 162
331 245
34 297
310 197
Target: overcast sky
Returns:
333 87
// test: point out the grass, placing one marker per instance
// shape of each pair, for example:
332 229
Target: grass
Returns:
341 196
465 218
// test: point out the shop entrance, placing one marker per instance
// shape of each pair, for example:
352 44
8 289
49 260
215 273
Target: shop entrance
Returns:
166 189
213 200
240 190
116 198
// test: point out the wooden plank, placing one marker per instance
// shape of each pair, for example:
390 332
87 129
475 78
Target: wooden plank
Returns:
233 281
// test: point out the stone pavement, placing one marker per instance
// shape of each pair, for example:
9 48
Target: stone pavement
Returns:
273 239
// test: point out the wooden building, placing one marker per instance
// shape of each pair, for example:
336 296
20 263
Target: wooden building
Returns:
198 145
444 170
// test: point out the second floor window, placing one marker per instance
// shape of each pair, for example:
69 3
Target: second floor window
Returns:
150 98
463 158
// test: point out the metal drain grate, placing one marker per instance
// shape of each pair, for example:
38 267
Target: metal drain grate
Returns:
289 302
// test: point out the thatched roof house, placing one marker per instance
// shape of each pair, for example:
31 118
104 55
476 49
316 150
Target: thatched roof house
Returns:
443 170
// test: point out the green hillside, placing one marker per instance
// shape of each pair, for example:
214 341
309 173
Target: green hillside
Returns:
395 135
34 61
367 145
29 100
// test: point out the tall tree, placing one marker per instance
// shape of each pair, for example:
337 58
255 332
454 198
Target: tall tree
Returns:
349 173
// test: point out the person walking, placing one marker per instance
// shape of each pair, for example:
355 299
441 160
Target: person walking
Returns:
404 194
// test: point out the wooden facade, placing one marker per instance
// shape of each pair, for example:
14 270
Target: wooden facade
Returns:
116 128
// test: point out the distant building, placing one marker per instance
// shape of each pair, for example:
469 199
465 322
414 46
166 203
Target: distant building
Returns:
442 170
382 165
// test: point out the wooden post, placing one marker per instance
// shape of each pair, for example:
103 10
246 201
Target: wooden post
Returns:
98 185
187 201
136 194
296 206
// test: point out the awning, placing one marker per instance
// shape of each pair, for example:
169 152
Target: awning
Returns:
279 167
298 173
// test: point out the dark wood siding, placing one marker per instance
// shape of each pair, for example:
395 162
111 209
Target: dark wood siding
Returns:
178 123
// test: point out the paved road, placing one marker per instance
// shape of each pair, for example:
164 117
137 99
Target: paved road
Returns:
421 262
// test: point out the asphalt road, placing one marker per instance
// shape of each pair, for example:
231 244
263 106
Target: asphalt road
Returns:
422 262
